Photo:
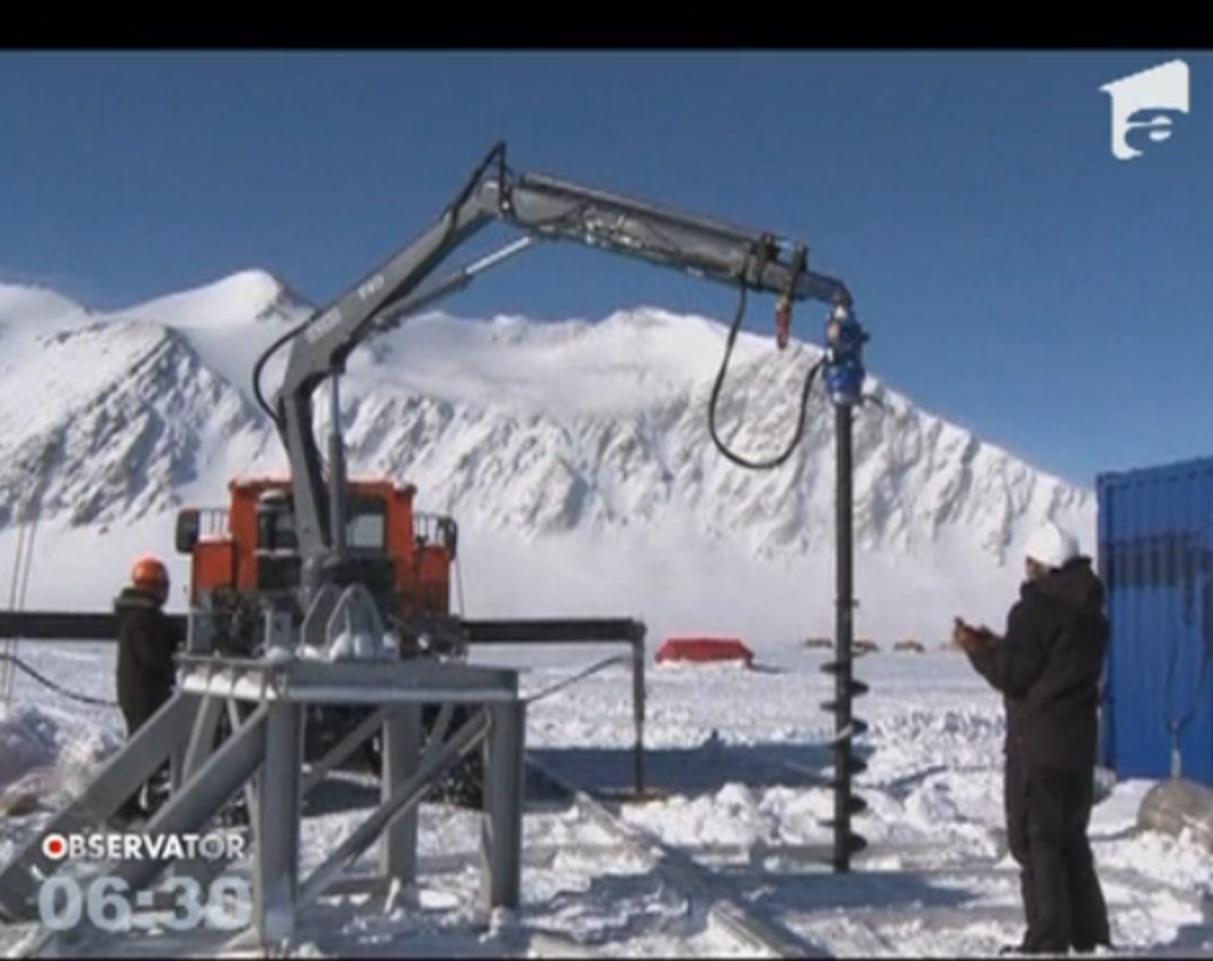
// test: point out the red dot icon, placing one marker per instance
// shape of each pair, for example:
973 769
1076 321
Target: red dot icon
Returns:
54 846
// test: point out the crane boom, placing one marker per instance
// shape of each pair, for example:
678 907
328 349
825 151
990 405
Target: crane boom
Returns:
544 208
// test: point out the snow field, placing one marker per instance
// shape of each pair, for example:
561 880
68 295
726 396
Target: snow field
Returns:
731 749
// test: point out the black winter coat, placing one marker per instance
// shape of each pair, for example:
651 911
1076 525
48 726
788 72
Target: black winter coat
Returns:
1048 667
146 642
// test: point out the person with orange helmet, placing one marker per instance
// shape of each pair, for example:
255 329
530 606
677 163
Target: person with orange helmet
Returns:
145 670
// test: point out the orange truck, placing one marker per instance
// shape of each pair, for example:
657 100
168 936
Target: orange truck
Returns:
248 553
249 550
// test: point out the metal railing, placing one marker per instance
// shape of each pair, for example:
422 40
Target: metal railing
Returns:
435 529
214 522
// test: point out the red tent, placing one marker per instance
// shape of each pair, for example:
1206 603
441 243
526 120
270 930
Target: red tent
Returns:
705 649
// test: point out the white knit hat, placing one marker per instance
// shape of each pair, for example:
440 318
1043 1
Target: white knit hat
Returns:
1051 545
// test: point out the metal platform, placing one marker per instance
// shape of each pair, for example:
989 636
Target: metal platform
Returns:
351 682
263 758
84 626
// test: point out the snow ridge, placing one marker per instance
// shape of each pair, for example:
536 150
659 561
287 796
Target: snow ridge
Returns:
527 428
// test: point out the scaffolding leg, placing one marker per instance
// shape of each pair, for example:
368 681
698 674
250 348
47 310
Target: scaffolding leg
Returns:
401 758
200 797
343 750
185 760
201 743
185 811
118 780
203 870
250 788
276 875
504 780
434 763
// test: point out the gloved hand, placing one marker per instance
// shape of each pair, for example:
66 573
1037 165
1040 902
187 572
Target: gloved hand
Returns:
969 638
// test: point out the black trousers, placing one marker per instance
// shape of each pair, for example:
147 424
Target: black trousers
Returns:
136 716
1047 816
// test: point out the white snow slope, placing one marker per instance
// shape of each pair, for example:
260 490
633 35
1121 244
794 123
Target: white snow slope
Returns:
575 455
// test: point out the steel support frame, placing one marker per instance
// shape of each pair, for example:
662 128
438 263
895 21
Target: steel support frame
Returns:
504 786
264 757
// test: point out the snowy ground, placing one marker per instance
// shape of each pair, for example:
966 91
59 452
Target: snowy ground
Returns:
735 753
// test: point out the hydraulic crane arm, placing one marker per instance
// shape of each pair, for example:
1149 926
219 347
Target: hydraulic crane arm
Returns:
558 210
545 208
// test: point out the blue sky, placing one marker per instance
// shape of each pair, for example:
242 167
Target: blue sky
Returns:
1015 277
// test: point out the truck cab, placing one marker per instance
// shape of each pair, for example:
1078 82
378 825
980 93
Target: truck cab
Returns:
249 549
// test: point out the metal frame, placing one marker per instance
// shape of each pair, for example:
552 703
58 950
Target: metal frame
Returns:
100 626
264 757
604 631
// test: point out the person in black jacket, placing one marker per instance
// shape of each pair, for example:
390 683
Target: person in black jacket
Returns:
146 642
1048 667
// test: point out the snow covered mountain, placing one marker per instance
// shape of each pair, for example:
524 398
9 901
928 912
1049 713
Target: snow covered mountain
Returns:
576 456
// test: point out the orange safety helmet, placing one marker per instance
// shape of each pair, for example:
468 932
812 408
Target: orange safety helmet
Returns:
149 573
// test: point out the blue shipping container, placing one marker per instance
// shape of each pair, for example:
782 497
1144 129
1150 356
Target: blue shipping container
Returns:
1156 559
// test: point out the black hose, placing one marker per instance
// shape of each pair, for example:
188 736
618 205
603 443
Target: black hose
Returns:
496 153
260 365
738 459
82 698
